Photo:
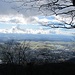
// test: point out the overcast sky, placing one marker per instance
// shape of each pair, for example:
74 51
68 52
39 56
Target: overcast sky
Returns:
26 19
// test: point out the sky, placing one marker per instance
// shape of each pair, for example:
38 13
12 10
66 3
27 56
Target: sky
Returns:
27 19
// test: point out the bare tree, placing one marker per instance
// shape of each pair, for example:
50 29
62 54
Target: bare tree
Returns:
14 52
73 1
47 8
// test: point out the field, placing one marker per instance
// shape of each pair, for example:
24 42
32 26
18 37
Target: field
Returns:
52 45
39 52
37 58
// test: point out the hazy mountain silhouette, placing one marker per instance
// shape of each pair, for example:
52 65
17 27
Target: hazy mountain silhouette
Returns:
37 37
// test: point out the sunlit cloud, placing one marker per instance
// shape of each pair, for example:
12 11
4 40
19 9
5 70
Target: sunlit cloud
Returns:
40 30
8 15
13 19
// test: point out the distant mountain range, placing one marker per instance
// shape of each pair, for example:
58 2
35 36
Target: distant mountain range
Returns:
37 37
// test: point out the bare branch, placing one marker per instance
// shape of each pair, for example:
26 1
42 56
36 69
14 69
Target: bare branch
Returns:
55 7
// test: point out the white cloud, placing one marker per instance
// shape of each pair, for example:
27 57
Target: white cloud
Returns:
29 15
28 8
13 19
16 29
20 19
63 18
44 21
64 32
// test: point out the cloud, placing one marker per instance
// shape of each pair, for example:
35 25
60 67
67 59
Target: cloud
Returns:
13 7
40 30
13 19
63 31
6 8
46 20
25 13
10 15
63 18
30 7
20 19
16 29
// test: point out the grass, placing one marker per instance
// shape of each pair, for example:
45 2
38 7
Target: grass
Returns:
51 45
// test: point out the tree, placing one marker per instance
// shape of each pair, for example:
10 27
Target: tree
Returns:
14 52
63 8
73 1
